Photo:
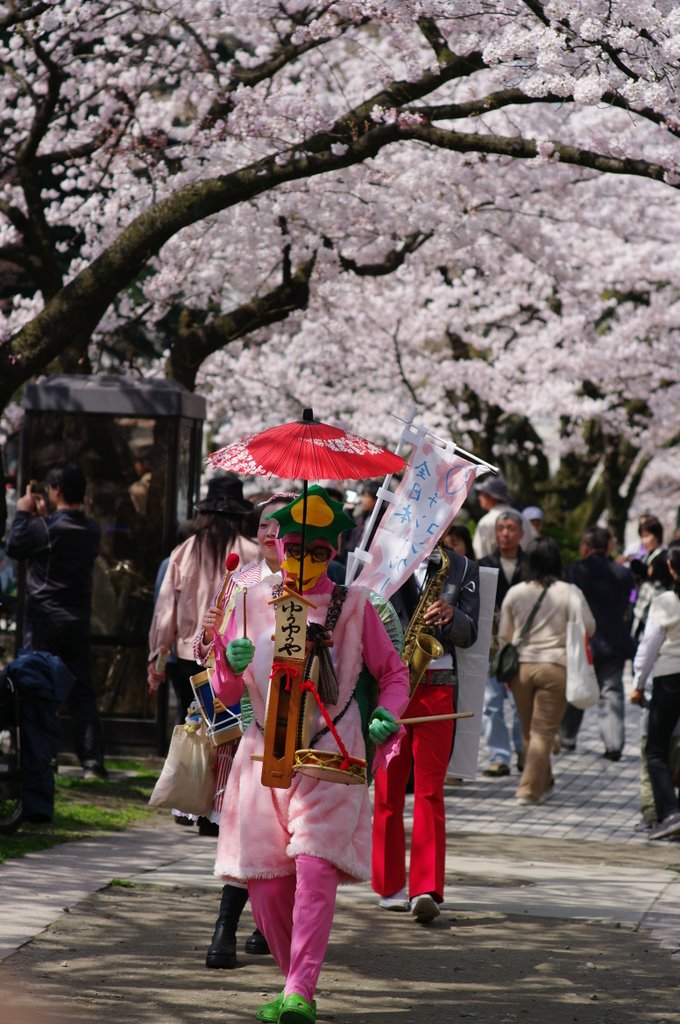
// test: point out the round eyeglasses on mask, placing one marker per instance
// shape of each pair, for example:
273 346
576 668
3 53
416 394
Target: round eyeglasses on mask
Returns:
319 553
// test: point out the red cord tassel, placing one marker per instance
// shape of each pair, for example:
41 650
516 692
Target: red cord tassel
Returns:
347 758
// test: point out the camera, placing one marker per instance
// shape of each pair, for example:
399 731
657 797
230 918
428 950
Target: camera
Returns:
39 489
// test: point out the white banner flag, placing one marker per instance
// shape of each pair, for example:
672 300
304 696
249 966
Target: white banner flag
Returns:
434 487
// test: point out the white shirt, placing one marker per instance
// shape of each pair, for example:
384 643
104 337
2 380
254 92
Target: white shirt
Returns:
658 652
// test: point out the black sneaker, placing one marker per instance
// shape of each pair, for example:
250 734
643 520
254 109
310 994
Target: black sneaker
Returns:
206 827
95 771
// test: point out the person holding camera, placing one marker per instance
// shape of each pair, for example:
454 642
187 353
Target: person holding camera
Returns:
60 544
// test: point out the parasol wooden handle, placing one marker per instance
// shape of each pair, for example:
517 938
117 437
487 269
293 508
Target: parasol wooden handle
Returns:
434 718
245 626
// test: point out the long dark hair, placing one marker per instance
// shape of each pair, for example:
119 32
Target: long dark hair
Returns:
215 533
544 562
674 561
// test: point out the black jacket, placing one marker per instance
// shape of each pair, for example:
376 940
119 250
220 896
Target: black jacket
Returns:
460 589
494 562
606 587
60 550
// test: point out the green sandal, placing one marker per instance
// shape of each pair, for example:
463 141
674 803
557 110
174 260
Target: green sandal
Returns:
296 1010
270 1011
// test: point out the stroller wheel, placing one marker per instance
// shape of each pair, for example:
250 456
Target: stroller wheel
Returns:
11 785
10 814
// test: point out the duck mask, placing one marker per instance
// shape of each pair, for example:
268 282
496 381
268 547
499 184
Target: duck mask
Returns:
317 555
325 520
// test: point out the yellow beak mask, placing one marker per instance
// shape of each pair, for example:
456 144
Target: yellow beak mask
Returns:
314 562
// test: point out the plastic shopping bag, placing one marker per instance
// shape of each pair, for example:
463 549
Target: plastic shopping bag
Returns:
582 688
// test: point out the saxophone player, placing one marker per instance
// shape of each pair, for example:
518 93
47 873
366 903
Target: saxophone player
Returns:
442 598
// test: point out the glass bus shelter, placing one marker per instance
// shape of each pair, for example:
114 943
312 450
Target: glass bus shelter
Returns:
139 444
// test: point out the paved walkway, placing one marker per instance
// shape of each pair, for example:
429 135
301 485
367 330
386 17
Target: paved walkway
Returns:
576 857
595 799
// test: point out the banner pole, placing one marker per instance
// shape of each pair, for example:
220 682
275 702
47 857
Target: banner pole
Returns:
447 444
353 559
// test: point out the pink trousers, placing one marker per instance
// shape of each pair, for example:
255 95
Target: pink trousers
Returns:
295 914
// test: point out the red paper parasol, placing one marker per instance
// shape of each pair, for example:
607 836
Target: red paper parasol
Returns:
306 450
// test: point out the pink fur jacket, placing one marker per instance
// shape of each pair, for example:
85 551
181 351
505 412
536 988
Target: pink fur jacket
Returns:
262 830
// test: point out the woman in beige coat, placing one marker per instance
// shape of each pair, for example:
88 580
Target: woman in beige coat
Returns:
539 688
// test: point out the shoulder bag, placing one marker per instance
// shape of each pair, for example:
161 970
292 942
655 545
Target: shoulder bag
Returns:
505 663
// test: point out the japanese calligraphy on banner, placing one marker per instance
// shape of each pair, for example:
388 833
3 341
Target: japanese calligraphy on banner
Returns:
434 487
291 628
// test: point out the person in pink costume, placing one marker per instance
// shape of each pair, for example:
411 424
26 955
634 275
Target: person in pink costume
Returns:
293 846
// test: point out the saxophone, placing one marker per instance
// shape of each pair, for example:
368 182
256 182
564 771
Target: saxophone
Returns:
420 646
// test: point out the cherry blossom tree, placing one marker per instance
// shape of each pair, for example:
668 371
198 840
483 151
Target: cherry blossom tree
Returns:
466 204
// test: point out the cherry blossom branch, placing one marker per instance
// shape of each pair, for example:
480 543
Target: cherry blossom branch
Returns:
614 54
392 260
355 137
434 36
285 54
400 366
195 342
44 110
36 230
483 105
528 149
18 17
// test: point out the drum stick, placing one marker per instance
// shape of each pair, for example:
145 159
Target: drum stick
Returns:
433 718
230 565
245 627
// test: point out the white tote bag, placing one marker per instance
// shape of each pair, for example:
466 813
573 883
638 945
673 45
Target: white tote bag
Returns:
187 780
582 688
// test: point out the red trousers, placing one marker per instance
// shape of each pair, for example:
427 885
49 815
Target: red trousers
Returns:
428 748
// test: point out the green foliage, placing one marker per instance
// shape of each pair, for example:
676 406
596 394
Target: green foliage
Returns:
85 808
567 540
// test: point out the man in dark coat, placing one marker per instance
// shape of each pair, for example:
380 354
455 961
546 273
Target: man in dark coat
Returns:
60 548
606 587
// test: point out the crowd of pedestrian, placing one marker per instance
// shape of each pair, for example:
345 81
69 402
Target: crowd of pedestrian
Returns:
620 592
287 848
628 603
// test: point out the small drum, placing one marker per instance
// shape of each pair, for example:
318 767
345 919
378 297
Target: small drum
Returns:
222 725
325 765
